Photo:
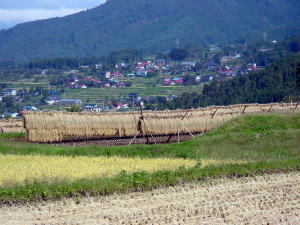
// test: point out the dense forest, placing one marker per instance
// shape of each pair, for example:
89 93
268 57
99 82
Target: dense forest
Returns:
124 55
150 25
278 82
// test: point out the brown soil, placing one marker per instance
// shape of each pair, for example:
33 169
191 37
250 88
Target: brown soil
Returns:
270 199
126 141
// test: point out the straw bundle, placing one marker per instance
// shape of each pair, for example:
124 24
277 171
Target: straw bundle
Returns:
11 125
62 126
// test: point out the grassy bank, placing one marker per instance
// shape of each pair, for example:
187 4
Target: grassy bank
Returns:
266 143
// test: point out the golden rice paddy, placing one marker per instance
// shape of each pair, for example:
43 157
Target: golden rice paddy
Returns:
17 169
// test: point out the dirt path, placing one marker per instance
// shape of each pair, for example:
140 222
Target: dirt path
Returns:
270 199
126 141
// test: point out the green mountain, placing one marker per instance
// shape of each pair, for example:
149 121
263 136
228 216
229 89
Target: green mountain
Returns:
150 25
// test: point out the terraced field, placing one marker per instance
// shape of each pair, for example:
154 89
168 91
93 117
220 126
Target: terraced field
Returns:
269 199
144 87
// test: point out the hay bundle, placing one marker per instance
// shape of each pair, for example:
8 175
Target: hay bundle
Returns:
62 126
11 125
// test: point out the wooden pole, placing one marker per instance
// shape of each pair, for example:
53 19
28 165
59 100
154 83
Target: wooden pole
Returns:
134 138
25 127
169 138
232 109
213 115
183 117
203 132
142 119
185 114
189 132
149 131
270 108
244 109
20 134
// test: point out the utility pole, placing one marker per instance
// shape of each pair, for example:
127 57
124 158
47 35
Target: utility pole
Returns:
177 43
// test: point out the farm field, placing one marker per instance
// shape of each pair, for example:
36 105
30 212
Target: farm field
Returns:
246 145
268 199
17 169
144 87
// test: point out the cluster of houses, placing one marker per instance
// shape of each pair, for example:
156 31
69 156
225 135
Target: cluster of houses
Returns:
225 59
109 106
84 83
142 69
230 71
110 79
133 101
174 81
17 96
55 99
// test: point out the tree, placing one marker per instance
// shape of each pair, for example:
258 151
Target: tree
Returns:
9 102
152 74
178 54
128 83
74 108
298 77
294 46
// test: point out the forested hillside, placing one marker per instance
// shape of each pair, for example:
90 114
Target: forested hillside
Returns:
270 85
150 25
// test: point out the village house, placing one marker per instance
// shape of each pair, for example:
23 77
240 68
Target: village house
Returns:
70 102
92 108
160 62
141 73
187 66
174 81
108 75
29 108
9 92
116 74
171 97
51 100
130 75
98 66
206 78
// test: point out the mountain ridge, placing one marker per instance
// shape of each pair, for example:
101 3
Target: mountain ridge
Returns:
150 25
